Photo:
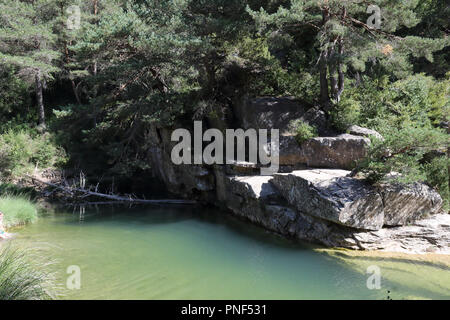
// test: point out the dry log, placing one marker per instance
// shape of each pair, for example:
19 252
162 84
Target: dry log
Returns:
86 193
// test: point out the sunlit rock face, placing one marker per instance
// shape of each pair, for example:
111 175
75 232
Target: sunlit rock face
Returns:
331 195
341 152
328 207
407 204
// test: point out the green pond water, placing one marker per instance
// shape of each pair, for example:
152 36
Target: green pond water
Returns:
197 253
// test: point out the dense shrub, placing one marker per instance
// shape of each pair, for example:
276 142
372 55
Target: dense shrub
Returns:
303 131
380 104
347 113
437 174
14 97
22 151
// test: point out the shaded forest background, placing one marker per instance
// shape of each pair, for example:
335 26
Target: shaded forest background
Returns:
82 80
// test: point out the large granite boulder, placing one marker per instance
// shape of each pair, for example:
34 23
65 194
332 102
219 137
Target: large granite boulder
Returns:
248 197
341 152
332 196
327 151
254 198
404 204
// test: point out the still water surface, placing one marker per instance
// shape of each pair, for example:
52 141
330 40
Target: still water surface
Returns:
198 253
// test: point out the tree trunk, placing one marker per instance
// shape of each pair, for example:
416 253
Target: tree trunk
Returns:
341 78
210 73
94 68
324 92
332 73
74 86
40 99
323 64
75 91
358 79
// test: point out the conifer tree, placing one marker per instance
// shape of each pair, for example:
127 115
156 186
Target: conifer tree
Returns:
28 42
351 33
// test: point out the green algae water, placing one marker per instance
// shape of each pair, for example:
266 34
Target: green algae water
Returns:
197 253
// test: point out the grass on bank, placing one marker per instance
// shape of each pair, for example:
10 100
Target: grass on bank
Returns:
22 279
17 209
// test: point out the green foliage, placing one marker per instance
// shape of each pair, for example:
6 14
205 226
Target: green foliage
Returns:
21 152
26 36
255 70
14 98
379 104
17 210
403 152
344 40
24 279
136 65
346 113
437 175
303 131
17 190
406 112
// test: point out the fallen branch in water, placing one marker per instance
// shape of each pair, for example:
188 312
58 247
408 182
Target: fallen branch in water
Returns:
83 193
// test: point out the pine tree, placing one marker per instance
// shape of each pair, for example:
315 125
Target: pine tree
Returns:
28 42
351 34
219 24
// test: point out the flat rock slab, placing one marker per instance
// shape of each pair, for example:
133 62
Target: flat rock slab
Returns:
431 235
331 195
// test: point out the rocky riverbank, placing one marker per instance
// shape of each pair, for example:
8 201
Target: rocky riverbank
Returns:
313 198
